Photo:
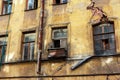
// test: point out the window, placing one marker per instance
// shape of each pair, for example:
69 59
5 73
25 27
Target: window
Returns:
59 37
59 1
104 39
59 43
31 4
7 6
28 46
3 45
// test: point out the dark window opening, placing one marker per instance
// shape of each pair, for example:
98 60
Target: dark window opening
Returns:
57 1
56 43
60 1
105 44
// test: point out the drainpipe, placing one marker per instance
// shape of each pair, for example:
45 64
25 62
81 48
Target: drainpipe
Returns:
40 38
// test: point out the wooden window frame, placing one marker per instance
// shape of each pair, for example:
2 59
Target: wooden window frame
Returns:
29 55
102 40
35 5
3 4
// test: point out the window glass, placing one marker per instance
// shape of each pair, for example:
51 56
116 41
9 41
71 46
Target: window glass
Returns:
32 4
29 37
104 42
7 6
3 44
28 46
60 33
64 1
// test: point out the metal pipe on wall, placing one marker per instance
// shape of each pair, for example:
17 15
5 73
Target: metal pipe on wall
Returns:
40 37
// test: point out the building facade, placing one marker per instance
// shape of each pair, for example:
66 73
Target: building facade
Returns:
80 39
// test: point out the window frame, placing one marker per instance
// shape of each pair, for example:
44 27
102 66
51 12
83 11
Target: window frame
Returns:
29 57
35 5
61 38
6 3
96 25
3 45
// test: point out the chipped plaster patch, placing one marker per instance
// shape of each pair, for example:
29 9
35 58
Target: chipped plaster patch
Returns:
107 61
6 69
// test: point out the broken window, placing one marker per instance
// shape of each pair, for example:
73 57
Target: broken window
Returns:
104 39
31 4
28 46
59 43
3 46
7 6
59 37
59 1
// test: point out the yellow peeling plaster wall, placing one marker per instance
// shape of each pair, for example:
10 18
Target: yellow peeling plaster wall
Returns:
20 21
80 40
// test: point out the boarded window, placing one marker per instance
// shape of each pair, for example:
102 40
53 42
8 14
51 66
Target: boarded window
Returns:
31 4
28 46
104 40
59 37
7 6
3 45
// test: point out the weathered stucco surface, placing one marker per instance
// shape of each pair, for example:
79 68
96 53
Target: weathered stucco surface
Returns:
78 20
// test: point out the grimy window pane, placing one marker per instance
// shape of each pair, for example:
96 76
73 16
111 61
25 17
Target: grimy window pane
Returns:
60 33
112 43
111 29
64 1
25 51
29 37
97 30
98 45
32 51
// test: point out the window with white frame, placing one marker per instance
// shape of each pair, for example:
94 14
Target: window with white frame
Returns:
28 46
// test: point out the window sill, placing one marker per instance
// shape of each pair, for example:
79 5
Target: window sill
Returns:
5 14
21 61
59 4
31 9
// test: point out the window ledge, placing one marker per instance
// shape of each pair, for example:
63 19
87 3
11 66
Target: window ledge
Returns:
21 61
31 9
5 14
